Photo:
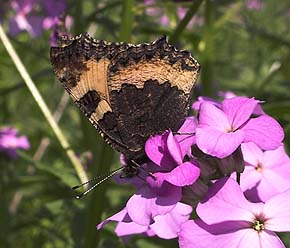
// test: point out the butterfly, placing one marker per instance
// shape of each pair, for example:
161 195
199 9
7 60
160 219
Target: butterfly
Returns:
128 92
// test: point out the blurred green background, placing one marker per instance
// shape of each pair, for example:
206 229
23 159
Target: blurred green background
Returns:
242 46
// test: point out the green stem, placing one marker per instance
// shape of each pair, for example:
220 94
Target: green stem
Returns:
97 201
207 58
183 23
127 20
42 105
109 6
78 17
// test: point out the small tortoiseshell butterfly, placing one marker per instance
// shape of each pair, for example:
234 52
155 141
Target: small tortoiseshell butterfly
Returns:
128 92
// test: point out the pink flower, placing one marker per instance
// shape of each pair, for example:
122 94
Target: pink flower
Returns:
160 195
255 4
222 130
53 10
168 151
152 11
266 173
165 226
25 19
164 20
10 142
227 219
34 16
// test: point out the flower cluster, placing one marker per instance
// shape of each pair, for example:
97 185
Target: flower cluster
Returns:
196 168
35 16
10 142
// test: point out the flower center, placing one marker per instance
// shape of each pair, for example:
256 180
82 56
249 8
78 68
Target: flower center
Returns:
258 225
230 129
259 167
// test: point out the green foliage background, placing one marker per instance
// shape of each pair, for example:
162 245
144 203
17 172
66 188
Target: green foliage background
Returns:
242 50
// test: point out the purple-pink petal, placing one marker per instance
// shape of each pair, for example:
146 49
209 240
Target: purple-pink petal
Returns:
164 20
31 24
248 236
183 175
23 6
187 140
23 143
272 183
167 195
156 150
130 228
264 131
146 203
193 234
174 148
167 226
225 202
212 116
255 4
269 239
139 206
238 110
125 225
218 143
276 212
9 142
252 154
49 22
121 216
197 234
201 99
259 110
266 173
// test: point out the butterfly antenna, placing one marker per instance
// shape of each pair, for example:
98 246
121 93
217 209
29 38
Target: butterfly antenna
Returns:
99 179
90 181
